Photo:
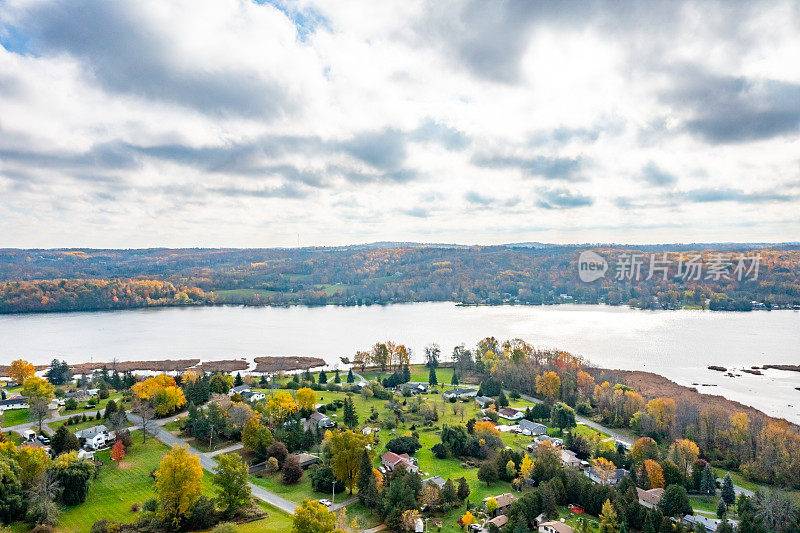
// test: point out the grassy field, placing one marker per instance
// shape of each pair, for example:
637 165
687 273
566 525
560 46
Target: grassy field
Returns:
418 373
118 487
91 422
15 417
295 493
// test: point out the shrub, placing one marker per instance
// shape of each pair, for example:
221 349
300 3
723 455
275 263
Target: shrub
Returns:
278 450
135 507
440 451
400 445
71 404
203 514
103 394
291 471
272 465
150 505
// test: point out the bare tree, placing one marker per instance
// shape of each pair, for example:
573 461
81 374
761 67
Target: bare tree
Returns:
145 410
41 500
39 409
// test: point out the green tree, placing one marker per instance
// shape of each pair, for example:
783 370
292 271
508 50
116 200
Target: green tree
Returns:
432 380
707 481
728 493
463 489
233 491
64 441
502 401
675 501
722 509
350 377
562 416
323 377
488 472
350 417
346 449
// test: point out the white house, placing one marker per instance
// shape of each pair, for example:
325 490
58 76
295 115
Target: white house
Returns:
17 402
96 437
509 413
460 393
555 527
253 396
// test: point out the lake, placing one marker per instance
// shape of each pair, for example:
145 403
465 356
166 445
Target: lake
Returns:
676 344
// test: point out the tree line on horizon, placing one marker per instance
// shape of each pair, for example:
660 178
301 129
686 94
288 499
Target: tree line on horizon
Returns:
73 280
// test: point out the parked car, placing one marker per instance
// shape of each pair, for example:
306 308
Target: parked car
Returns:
325 502
43 439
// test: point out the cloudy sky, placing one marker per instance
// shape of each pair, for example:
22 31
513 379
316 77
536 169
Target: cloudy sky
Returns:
238 123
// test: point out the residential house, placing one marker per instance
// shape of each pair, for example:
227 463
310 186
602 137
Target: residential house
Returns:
306 459
504 502
555 441
17 402
484 401
439 481
391 460
322 421
416 387
251 396
95 437
555 527
499 521
568 458
649 498
509 413
241 389
460 393
532 428
711 524
92 392
615 477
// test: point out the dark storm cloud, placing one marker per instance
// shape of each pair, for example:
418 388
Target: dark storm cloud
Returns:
551 168
656 176
726 109
117 48
563 199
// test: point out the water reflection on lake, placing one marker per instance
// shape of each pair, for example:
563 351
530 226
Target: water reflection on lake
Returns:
676 344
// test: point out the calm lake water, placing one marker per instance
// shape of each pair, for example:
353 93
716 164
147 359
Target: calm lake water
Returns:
676 344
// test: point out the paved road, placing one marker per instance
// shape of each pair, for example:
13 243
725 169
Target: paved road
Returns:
207 460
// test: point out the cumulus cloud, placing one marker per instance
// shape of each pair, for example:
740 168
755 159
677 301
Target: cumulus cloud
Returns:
246 123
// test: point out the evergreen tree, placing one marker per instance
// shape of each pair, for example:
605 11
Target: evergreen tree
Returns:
432 380
350 417
722 509
238 381
707 482
463 489
111 408
454 381
350 377
364 475
296 378
323 377
406 374
728 494
449 493
337 379
502 401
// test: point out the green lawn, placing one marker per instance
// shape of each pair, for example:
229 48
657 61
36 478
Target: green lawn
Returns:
295 493
276 521
15 417
418 373
91 422
118 487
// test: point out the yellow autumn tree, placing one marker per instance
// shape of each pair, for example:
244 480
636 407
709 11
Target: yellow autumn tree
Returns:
526 467
585 383
144 390
279 406
644 448
548 385
20 370
467 519
306 399
663 411
409 520
684 453
178 484
604 468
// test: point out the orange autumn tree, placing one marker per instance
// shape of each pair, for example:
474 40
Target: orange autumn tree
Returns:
655 474
118 452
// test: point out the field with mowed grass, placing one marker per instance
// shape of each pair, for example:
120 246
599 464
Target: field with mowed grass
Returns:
117 488
15 417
